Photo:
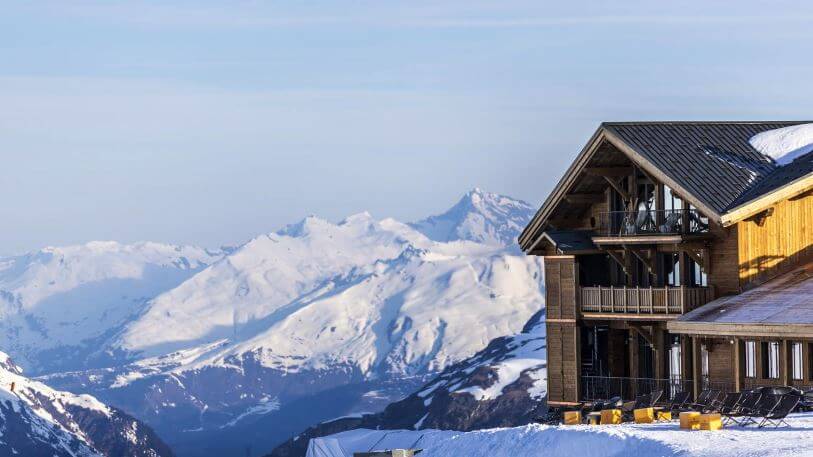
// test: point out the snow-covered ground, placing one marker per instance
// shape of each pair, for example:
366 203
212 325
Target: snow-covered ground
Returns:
660 439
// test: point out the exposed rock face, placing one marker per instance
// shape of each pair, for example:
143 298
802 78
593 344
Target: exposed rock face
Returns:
36 420
500 386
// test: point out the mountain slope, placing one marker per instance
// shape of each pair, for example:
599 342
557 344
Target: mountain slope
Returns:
37 420
501 386
57 304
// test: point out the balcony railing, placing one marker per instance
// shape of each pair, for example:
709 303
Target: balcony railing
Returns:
652 222
639 300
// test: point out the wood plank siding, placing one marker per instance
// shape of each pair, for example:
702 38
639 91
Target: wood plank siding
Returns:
562 332
772 244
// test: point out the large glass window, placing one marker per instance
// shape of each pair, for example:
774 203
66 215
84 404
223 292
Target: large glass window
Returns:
770 360
797 363
671 202
699 277
750 359
671 268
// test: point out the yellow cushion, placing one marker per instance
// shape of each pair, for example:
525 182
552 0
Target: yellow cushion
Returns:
711 422
664 415
610 416
644 415
573 417
690 420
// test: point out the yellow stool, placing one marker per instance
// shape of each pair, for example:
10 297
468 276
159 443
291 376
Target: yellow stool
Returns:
690 420
644 415
610 416
573 417
711 422
594 419
663 415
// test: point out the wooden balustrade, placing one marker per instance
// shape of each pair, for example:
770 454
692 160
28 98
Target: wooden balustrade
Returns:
643 300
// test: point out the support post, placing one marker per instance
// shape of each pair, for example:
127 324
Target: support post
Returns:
696 366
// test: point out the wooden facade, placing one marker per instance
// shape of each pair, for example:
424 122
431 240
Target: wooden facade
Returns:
662 247
775 240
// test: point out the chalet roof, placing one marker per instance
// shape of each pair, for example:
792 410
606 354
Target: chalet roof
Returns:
782 306
570 241
712 164
780 177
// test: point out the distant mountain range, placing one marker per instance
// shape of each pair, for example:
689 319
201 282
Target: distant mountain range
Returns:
225 350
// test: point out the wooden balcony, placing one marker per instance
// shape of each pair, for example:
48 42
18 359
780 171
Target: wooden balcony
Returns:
650 301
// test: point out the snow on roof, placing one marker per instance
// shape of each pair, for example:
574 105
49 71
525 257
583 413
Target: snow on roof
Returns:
785 144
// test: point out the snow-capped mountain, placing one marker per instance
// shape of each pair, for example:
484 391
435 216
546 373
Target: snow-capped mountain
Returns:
37 420
57 304
501 386
348 316
479 216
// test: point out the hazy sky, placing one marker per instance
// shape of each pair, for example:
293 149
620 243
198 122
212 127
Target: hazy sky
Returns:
211 122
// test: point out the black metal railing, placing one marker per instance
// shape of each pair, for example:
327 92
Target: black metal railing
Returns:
651 222
604 387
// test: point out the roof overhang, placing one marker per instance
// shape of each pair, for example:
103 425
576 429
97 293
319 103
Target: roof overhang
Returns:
756 206
780 308
530 237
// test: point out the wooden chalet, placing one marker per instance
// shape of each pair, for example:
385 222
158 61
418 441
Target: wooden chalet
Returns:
678 256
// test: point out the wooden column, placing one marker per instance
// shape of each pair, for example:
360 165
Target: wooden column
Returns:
658 349
784 366
696 366
737 364
632 338
686 355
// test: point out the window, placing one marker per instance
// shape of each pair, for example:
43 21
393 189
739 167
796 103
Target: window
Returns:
671 268
750 359
671 202
699 277
770 360
675 371
796 361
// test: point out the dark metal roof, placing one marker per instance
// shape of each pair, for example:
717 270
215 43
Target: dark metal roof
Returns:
569 241
712 163
712 160
780 177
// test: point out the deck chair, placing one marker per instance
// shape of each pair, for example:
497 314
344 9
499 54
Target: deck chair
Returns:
715 401
670 224
776 416
628 409
654 396
679 402
703 400
729 403
765 405
748 401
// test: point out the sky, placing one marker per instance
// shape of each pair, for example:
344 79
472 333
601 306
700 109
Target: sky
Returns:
211 122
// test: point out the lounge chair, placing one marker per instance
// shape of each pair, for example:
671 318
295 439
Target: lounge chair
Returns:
748 401
628 408
679 402
765 405
704 400
776 416
728 404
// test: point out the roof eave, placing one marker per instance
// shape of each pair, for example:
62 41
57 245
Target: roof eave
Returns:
763 202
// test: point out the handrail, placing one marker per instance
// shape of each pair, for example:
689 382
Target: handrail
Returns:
651 222
638 300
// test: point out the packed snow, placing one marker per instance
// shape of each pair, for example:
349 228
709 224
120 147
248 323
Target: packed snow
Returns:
786 144
658 439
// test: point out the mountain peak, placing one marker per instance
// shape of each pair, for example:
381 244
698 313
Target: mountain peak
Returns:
479 216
